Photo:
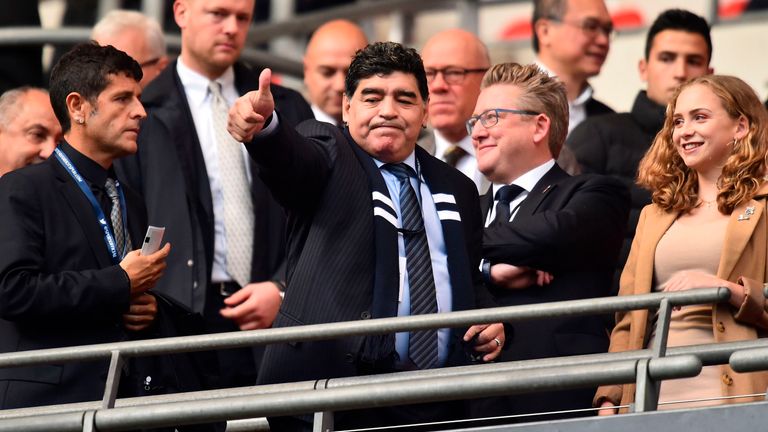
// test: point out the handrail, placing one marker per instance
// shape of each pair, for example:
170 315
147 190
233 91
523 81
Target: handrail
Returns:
314 332
360 396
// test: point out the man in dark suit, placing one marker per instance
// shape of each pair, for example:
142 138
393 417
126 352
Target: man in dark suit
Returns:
227 231
67 276
549 236
355 219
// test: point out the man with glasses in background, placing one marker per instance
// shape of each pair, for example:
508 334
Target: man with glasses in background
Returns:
548 236
455 61
571 39
137 35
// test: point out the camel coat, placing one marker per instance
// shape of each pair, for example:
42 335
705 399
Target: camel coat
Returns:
743 261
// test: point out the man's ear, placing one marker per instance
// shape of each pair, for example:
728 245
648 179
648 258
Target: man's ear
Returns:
180 8
344 107
425 120
541 127
78 107
642 69
542 29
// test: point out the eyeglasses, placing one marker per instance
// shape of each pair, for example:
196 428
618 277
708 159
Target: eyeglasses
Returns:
590 27
452 75
489 118
151 62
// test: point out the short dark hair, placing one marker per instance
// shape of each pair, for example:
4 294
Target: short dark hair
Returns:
85 69
383 58
546 9
679 19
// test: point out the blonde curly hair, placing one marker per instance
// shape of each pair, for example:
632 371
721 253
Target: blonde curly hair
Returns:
674 186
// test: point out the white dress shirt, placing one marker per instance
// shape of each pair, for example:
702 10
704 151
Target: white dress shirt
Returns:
320 115
199 100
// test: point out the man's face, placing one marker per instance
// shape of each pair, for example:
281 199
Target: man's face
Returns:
451 104
212 32
385 115
675 57
133 42
325 67
112 121
503 150
577 42
32 134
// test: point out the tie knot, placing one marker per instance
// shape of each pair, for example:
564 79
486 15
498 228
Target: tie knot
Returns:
215 88
453 154
508 193
111 188
400 170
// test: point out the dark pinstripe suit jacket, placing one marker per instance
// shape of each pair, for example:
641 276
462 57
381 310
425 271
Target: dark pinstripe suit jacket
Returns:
321 178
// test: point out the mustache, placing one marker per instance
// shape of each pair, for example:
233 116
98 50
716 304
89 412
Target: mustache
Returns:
391 124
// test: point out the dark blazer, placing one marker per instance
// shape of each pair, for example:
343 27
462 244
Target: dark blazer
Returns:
58 285
169 171
571 227
325 182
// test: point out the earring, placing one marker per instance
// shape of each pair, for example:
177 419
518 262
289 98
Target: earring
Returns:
80 121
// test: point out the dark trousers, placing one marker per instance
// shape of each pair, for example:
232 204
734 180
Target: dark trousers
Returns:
237 366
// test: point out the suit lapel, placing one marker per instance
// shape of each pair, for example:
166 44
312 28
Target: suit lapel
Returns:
83 212
741 225
654 228
542 190
486 201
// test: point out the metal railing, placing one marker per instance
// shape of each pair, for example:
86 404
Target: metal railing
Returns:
647 367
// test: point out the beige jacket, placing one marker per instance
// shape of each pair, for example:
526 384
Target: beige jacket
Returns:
743 261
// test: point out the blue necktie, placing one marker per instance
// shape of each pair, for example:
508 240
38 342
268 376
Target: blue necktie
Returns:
504 196
422 346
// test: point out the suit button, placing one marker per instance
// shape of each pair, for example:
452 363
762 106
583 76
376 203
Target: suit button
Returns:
349 358
190 263
194 285
727 380
365 315
720 326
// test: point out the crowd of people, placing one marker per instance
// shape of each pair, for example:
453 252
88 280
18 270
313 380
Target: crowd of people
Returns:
408 182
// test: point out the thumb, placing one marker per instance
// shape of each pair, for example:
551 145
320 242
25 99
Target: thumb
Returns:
236 298
265 90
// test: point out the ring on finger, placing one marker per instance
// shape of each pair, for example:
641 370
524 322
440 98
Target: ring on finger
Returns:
498 342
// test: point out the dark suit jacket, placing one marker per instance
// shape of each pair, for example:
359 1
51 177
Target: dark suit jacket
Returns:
58 286
322 179
571 227
169 171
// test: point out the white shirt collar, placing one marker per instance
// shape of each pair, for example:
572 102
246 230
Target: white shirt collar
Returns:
528 180
442 144
196 84
320 115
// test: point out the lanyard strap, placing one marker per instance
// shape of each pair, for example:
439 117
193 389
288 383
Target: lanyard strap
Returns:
109 238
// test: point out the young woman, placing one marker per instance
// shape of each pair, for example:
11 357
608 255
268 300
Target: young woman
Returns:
706 227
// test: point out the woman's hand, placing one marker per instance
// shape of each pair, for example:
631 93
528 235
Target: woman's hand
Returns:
690 279
607 408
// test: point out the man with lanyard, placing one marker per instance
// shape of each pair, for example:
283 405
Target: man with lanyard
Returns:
68 271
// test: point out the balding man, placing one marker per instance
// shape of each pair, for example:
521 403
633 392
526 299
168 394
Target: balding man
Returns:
137 35
326 62
29 130
455 61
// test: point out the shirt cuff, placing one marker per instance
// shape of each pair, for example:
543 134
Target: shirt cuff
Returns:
272 123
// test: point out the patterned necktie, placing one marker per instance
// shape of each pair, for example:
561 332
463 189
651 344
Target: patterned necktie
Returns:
238 205
504 196
453 154
116 216
422 346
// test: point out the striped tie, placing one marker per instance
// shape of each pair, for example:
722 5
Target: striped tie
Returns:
116 217
422 347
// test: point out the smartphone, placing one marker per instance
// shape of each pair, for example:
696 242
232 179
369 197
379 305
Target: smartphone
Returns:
152 240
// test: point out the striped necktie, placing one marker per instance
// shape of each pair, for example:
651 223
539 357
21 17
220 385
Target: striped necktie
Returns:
422 346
